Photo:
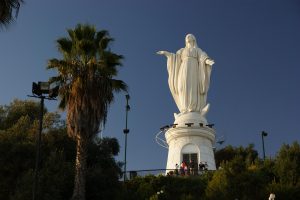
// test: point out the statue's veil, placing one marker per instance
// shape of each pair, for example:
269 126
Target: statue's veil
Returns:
194 38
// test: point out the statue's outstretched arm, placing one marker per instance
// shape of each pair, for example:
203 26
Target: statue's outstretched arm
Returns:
165 53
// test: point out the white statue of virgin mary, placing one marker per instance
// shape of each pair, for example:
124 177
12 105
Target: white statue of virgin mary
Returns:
189 77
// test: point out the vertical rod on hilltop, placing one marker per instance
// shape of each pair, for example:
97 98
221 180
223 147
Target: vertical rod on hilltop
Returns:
38 89
126 131
38 151
263 134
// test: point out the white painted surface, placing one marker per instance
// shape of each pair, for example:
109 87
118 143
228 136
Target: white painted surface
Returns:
189 72
193 139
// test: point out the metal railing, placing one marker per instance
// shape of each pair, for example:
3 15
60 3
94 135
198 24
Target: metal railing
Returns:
164 172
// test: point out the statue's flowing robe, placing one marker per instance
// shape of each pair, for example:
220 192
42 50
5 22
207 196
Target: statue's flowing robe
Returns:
189 78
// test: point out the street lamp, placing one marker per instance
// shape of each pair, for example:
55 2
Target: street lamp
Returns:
263 134
126 131
38 91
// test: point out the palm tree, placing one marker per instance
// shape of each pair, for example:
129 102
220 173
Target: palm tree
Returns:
87 85
7 8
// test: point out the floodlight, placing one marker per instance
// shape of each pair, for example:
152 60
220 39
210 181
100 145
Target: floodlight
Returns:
44 87
210 125
36 89
53 92
126 131
164 127
189 124
173 125
40 88
220 142
264 133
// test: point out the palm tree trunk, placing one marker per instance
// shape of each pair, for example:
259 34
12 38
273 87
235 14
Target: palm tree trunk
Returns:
80 169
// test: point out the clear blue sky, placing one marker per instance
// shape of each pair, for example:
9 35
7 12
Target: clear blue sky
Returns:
254 84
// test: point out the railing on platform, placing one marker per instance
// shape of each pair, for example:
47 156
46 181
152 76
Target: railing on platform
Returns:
164 172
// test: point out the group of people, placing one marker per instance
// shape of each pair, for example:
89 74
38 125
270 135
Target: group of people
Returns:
190 168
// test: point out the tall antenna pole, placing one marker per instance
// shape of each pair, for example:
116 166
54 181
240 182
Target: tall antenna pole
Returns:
126 131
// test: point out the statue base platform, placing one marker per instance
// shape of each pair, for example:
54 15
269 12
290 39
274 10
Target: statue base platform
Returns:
191 143
196 118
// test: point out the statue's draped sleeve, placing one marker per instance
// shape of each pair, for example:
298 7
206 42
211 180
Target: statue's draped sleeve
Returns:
204 71
173 65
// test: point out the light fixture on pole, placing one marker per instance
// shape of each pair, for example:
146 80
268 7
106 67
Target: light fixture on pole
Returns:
38 91
263 134
126 131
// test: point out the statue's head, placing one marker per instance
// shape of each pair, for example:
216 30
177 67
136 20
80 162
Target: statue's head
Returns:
190 39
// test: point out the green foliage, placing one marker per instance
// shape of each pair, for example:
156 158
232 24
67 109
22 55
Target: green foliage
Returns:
103 171
18 151
88 68
237 180
11 114
55 180
9 11
165 187
284 191
287 166
17 143
242 175
248 154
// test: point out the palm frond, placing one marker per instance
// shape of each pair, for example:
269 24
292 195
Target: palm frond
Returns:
64 45
100 35
119 85
88 32
7 8
55 79
71 34
78 32
104 42
65 68
63 103
87 47
111 59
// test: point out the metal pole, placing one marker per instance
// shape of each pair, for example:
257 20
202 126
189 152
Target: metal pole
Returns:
263 134
38 147
125 158
126 131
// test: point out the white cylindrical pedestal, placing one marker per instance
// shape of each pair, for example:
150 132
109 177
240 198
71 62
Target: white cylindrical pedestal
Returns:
190 142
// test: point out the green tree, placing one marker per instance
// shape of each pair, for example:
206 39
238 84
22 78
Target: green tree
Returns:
18 127
165 187
103 171
286 169
287 165
242 174
86 78
16 143
236 180
9 8
19 122
228 153
10 114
